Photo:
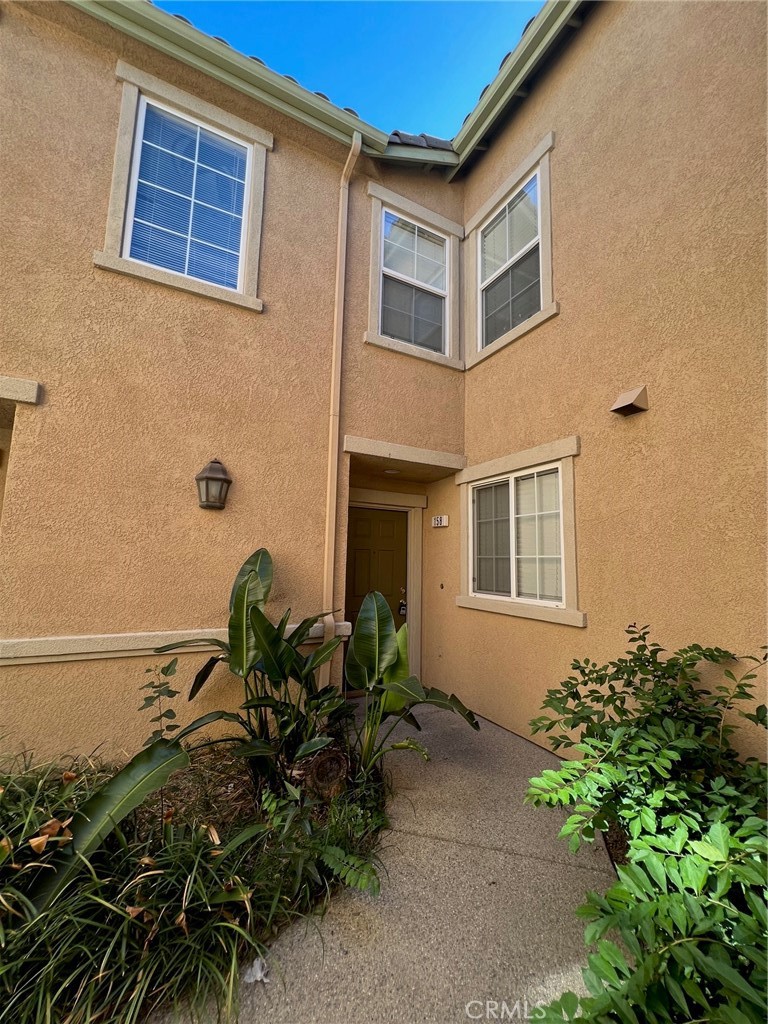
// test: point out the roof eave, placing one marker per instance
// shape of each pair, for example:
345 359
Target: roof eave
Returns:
171 36
530 51
415 155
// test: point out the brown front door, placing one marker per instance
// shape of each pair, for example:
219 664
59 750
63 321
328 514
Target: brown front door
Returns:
377 559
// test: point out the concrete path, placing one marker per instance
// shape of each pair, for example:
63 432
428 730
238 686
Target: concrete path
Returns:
476 904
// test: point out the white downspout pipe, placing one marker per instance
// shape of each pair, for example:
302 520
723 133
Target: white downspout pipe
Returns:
332 481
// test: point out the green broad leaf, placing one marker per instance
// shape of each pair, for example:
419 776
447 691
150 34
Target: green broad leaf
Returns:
728 977
374 641
254 748
97 817
312 746
399 670
654 865
730 1015
244 836
648 819
677 994
357 677
244 650
439 699
203 676
719 837
277 655
260 563
321 656
708 851
260 702
405 692
200 723
299 635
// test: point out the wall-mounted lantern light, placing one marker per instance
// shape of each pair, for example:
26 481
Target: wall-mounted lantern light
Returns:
631 402
212 485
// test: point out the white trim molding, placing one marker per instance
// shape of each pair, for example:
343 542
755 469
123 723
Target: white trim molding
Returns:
402 452
37 650
17 389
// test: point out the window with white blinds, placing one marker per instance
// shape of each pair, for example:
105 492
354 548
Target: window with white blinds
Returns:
187 201
517 544
414 284
510 264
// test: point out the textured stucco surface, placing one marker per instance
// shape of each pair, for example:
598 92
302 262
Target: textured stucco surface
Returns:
658 210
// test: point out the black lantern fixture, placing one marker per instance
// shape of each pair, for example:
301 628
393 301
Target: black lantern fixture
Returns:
212 485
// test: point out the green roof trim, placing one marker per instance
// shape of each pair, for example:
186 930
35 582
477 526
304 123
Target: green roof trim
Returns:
170 35
141 20
536 42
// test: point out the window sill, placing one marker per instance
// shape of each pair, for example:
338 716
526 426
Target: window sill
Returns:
563 616
506 339
371 338
106 261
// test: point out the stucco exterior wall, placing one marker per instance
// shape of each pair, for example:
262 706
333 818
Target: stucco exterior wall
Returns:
658 213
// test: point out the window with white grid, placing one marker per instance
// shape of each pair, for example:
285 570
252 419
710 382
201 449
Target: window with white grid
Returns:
187 204
414 285
517 544
510 264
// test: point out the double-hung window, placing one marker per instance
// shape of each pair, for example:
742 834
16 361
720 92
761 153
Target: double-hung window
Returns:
510 264
187 195
517 543
414 285
518 525
187 209
414 282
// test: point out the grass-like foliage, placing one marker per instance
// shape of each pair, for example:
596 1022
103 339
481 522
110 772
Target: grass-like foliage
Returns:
193 882
682 936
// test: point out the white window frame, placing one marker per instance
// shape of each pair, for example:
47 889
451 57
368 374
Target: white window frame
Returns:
537 163
134 182
138 89
483 285
386 272
383 200
554 454
509 479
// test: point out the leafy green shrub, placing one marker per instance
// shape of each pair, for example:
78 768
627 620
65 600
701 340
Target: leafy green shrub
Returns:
285 716
689 908
377 664
163 910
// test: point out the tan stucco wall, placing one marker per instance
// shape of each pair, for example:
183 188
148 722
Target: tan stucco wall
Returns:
658 212
658 256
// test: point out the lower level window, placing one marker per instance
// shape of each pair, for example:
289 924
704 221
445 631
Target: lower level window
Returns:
517 549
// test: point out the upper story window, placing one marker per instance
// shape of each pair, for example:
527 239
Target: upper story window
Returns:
510 269
414 285
414 292
187 200
187 193
509 288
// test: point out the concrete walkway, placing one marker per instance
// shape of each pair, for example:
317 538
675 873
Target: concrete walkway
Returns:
476 903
